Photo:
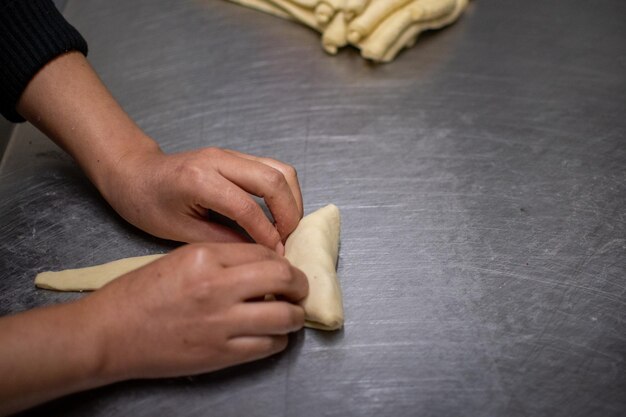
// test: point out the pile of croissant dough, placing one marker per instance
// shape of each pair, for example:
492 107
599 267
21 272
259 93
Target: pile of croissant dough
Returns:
379 28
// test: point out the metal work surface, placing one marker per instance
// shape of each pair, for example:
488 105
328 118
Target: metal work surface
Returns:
481 179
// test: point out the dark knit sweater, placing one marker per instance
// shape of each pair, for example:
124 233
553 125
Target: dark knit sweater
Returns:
32 33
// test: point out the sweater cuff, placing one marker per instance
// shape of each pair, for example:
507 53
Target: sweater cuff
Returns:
32 33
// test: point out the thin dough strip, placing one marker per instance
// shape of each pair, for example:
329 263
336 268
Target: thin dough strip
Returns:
92 277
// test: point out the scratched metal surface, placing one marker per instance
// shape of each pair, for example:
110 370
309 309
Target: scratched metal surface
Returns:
482 183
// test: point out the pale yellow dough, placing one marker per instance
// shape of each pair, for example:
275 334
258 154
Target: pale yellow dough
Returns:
313 248
379 28
92 277
264 7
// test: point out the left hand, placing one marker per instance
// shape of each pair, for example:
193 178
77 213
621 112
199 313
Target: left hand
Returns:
169 195
166 195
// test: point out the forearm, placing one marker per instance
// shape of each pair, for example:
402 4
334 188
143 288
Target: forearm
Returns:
67 101
165 195
49 352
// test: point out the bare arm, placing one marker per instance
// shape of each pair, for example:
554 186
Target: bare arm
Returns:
67 101
46 353
166 195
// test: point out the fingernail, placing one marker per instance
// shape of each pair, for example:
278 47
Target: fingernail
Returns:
280 249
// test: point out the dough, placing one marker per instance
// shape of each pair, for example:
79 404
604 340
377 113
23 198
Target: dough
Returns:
92 277
326 9
313 248
371 17
354 8
297 12
402 27
335 35
264 7
379 28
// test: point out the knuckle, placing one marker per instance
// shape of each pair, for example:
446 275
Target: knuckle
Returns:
283 272
247 208
273 233
198 260
198 255
213 152
290 171
190 173
274 178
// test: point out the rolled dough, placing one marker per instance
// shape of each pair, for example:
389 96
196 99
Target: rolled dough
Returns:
313 248
264 7
379 28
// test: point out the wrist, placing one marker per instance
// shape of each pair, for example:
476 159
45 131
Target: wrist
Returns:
92 354
112 173
102 336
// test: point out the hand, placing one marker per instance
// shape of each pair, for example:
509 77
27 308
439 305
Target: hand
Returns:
169 195
191 312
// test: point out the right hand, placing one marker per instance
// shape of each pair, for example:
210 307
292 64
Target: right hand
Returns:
196 310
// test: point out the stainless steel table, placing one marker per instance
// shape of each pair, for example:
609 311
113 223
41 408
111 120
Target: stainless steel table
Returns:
481 178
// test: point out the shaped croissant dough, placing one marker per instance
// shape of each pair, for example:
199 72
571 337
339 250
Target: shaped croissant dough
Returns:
312 247
379 28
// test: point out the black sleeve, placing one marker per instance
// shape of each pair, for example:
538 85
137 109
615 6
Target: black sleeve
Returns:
32 33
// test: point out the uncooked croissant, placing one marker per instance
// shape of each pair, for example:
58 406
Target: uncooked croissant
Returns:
313 247
379 28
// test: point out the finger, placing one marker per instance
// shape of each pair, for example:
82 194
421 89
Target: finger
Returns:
290 173
227 255
250 348
238 205
267 318
192 230
268 277
269 183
